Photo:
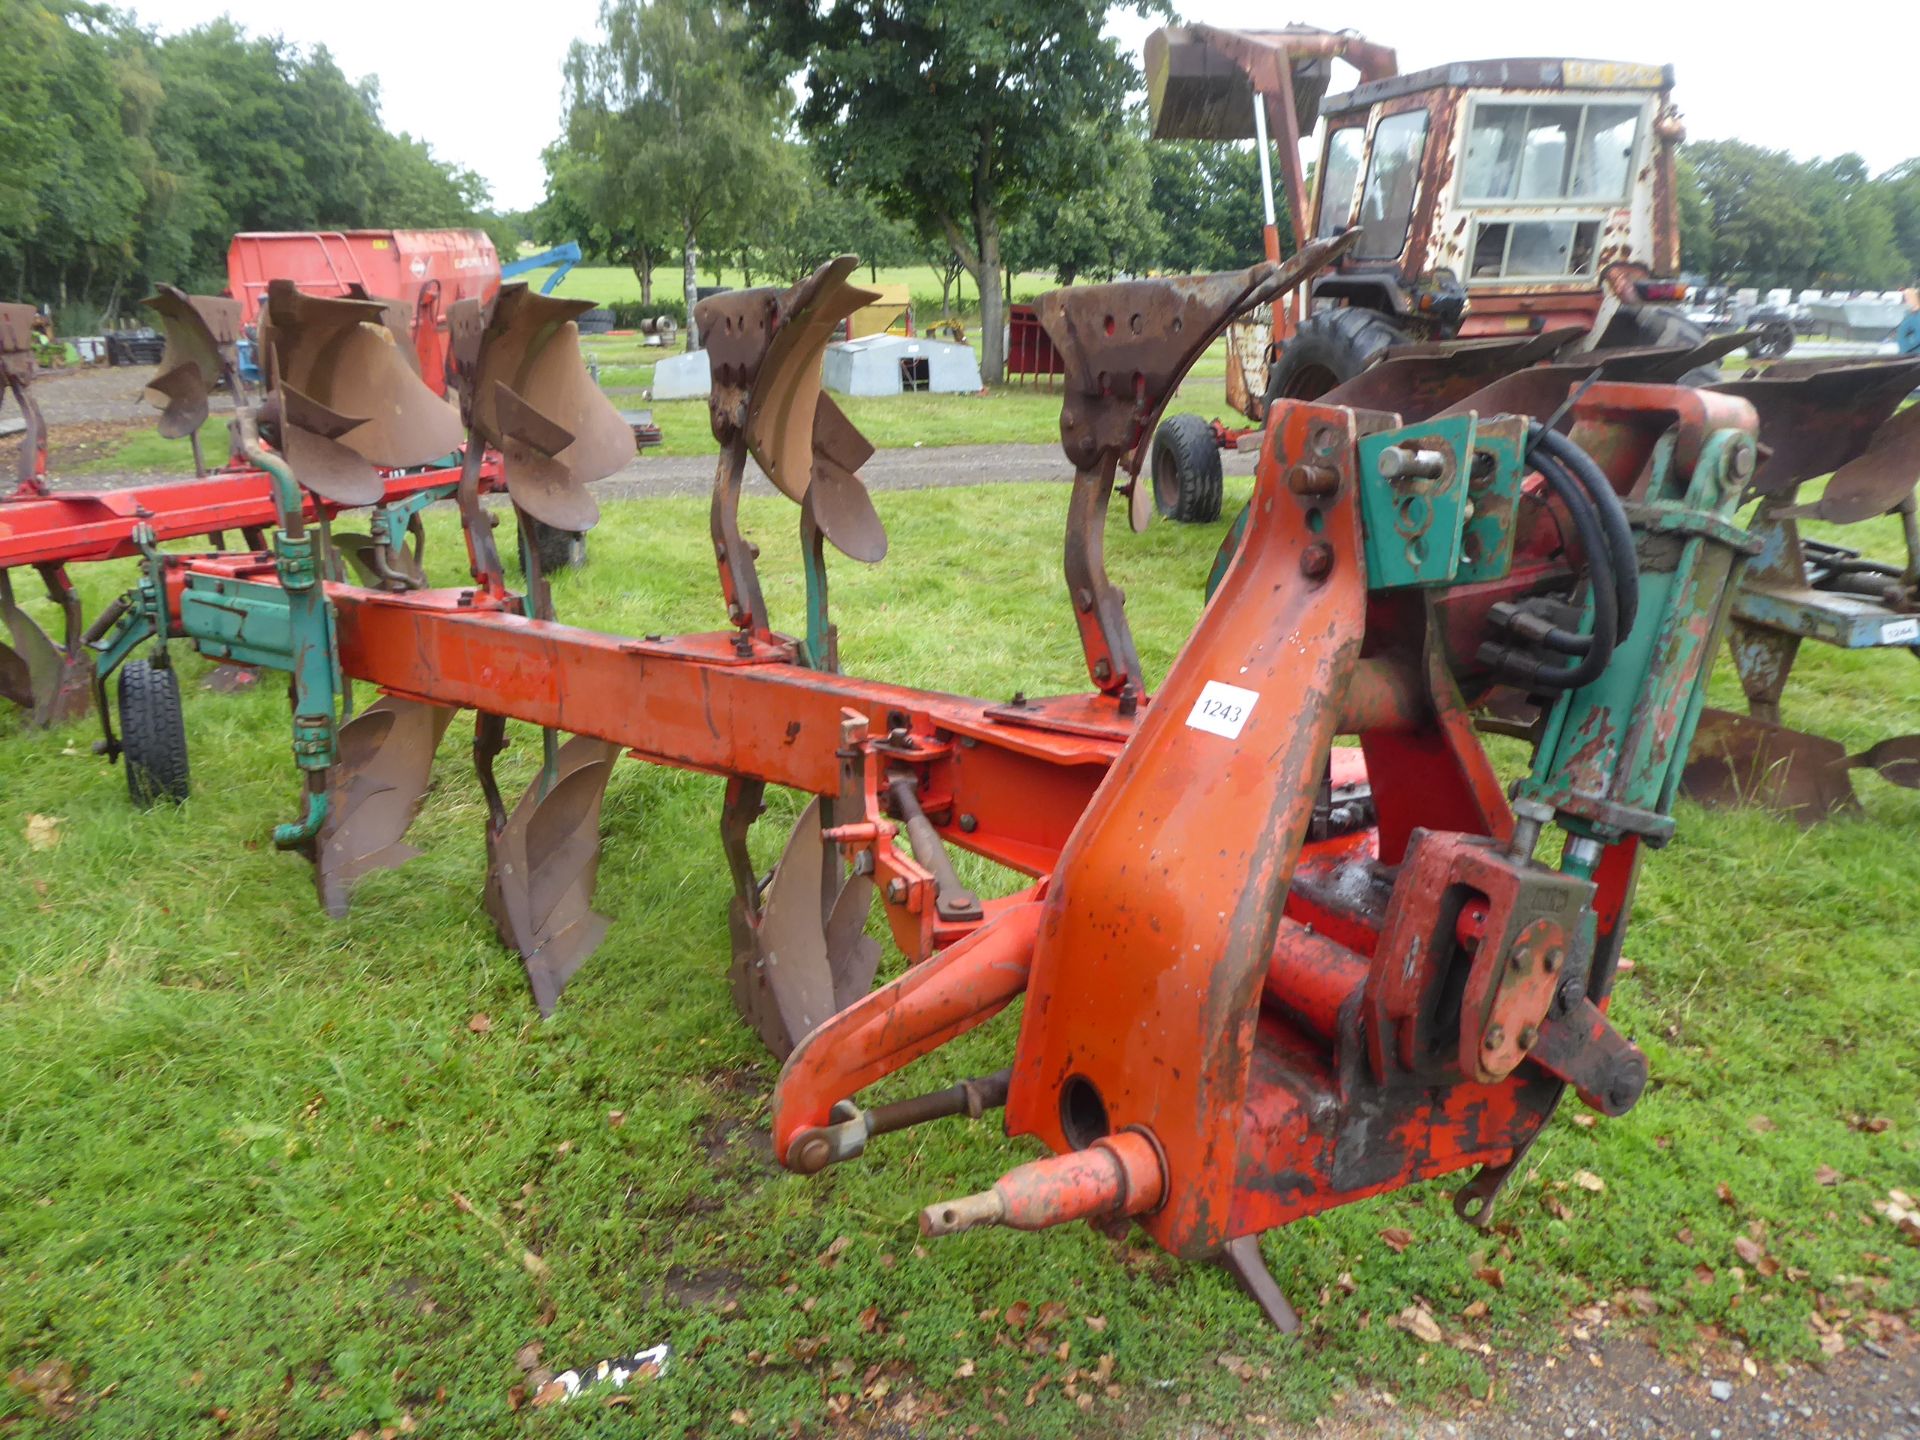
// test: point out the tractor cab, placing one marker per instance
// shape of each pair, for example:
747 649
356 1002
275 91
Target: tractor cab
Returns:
1499 195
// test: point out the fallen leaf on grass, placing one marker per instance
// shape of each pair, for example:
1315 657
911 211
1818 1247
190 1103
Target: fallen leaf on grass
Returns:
1748 1249
1418 1322
832 1253
1587 1180
1475 1310
1095 1323
481 1022
1017 1314
1725 1192
1826 1175
1761 1125
528 1355
1396 1239
870 1318
964 1370
740 1417
43 832
1492 1276
1871 1124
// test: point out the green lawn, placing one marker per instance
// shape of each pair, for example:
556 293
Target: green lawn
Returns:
239 1135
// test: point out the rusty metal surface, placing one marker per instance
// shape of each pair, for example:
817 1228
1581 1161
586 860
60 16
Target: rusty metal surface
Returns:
1743 760
542 866
17 370
51 682
1126 348
526 391
374 793
347 394
1817 416
200 356
1875 480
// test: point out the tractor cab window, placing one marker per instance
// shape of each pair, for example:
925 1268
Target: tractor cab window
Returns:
1393 180
1549 154
1339 174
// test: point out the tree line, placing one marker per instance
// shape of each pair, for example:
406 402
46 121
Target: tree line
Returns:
128 158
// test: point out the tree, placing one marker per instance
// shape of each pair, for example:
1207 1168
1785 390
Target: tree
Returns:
686 134
1207 193
1762 227
832 220
959 117
1108 227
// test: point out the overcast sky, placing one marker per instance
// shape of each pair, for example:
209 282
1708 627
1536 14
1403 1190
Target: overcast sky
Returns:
481 84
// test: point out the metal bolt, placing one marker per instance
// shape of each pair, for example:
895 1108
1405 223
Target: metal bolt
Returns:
896 891
1495 1037
811 1155
1553 959
1740 463
1316 562
1313 479
1528 1036
1083 597
1401 463
1102 670
969 824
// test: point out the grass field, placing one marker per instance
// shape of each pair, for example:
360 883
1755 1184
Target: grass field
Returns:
270 1175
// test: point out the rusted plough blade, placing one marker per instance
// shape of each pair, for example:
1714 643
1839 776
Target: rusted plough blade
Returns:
542 866
348 399
1820 417
53 684
1417 382
805 954
532 399
201 332
374 793
1739 760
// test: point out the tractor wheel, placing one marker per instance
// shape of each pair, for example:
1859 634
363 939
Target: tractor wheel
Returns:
153 733
1641 325
1773 342
1330 348
1186 470
559 549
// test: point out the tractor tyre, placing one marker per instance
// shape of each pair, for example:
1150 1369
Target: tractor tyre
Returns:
153 733
1186 470
559 549
1330 348
1641 325
1773 342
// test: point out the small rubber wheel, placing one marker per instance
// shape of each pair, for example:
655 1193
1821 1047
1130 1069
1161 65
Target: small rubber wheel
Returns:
153 733
559 549
1186 470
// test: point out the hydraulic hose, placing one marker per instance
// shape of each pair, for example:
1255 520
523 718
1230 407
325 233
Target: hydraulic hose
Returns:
1551 446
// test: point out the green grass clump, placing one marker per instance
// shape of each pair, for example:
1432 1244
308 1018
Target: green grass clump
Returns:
264 1177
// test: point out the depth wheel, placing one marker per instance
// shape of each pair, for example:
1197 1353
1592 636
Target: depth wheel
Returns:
1186 471
153 733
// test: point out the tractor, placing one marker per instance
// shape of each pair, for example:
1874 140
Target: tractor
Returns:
1494 198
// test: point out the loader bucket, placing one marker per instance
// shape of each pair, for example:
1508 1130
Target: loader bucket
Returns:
542 866
533 400
374 793
806 953
344 381
1817 417
201 333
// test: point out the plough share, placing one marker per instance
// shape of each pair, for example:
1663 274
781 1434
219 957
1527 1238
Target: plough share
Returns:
1265 972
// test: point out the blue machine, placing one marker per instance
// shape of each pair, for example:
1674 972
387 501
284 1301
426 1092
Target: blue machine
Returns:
565 257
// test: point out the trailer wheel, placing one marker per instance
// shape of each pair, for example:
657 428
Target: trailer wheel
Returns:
559 549
1642 325
1186 470
153 733
1330 348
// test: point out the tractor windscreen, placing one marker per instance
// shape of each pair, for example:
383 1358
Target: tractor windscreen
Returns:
1559 157
1340 173
1393 179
